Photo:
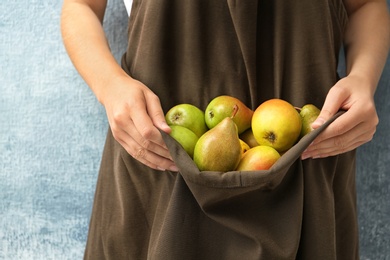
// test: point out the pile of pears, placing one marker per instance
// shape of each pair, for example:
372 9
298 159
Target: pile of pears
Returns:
229 136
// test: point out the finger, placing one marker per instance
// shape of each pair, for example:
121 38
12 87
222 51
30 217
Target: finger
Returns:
331 152
123 128
144 131
339 144
156 113
145 140
332 104
143 155
153 160
351 119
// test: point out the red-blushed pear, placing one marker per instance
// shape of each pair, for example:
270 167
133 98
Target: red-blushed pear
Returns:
248 137
189 116
258 158
276 123
222 106
185 137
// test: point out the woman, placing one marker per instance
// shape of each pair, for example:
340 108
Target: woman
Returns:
193 50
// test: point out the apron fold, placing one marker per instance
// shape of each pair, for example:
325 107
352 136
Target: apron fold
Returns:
261 211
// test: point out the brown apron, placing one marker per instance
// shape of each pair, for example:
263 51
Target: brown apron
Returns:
189 51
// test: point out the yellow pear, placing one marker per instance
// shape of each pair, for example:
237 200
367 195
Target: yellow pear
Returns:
244 147
258 158
276 123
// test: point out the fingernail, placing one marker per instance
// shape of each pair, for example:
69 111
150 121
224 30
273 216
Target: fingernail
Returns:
304 156
160 169
173 168
164 125
318 122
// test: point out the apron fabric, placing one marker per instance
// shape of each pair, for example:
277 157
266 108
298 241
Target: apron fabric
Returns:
190 51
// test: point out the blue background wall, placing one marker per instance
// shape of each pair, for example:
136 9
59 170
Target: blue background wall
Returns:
52 132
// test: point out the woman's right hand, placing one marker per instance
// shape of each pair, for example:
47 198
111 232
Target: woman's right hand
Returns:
134 113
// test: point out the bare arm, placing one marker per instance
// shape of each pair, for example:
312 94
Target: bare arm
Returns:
367 39
366 42
86 44
134 112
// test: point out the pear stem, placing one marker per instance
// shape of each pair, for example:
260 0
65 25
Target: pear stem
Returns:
235 110
298 109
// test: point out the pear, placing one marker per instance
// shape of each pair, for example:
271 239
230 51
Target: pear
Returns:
185 137
244 147
261 157
219 149
276 123
309 114
189 116
248 137
222 106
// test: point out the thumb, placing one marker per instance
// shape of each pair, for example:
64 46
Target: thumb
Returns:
332 104
164 127
158 119
156 114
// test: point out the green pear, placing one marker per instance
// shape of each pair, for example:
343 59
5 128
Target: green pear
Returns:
248 137
185 137
309 114
188 116
219 149
222 106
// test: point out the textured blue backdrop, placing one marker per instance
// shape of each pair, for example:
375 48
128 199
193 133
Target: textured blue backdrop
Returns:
52 132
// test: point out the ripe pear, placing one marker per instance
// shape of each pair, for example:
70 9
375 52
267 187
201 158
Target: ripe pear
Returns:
248 137
244 147
258 158
222 106
276 123
309 114
185 137
219 149
189 116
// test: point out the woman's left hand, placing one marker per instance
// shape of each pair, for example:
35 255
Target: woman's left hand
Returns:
353 128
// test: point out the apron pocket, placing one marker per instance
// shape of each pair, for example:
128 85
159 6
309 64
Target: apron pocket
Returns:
237 180
256 213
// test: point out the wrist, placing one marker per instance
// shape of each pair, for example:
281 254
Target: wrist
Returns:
104 86
363 79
